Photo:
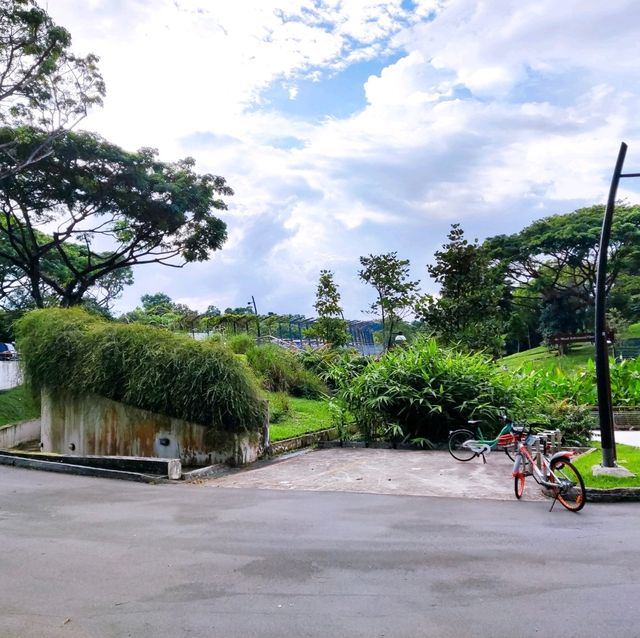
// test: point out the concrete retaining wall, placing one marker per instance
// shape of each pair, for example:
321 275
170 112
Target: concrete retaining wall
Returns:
18 433
93 425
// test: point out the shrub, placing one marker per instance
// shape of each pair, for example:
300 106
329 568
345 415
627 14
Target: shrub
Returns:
575 422
69 351
282 371
279 407
240 344
423 391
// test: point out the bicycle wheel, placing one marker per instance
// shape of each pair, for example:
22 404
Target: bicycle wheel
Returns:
457 451
570 489
519 478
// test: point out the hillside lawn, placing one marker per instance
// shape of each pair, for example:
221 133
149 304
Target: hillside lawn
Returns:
542 357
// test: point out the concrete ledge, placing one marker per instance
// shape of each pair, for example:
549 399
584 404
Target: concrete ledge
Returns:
170 468
79 470
201 473
613 495
305 440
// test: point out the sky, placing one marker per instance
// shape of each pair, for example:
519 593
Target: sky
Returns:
357 127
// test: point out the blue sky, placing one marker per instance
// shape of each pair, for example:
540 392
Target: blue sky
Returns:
350 127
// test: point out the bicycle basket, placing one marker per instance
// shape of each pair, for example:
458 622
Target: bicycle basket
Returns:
506 439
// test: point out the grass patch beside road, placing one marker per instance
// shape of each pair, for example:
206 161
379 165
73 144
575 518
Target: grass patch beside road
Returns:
302 417
628 457
17 405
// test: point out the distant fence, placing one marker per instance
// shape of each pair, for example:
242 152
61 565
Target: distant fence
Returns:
627 349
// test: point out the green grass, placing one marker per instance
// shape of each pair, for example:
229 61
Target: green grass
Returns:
17 405
628 457
542 358
633 331
305 415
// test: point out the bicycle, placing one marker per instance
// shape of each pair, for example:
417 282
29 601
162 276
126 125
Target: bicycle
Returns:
464 445
556 473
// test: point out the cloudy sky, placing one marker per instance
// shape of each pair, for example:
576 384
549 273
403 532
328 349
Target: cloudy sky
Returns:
350 127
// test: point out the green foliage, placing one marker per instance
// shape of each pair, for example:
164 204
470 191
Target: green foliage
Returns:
241 344
69 351
425 391
96 193
330 326
279 406
578 386
468 311
557 256
18 404
304 416
282 371
575 422
396 293
42 83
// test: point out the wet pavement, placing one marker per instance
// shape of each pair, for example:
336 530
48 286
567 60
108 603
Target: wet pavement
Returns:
379 471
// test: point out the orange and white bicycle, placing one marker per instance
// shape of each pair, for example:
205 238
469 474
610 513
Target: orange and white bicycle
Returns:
555 473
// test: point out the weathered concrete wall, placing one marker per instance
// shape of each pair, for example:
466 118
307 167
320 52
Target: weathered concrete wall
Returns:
93 425
10 374
18 433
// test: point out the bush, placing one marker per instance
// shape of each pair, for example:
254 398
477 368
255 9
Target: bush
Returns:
423 391
279 407
69 351
282 371
575 422
241 344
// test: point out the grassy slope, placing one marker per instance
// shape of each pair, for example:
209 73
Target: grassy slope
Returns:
628 457
542 357
305 415
17 405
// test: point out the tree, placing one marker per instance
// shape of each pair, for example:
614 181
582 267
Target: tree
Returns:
15 285
558 255
468 311
397 294
94 193
42 84
330 325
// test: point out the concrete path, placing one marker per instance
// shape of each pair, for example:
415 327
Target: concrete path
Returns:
375 471
89 558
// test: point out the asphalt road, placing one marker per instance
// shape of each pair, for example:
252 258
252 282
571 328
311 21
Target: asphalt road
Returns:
84 557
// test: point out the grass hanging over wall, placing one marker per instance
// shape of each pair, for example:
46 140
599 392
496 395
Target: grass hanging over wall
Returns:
69 351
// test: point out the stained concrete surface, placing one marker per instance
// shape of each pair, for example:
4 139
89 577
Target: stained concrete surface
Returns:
89 558
376 471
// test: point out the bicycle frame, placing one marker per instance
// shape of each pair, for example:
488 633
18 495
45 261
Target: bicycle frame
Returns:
482 446
540 474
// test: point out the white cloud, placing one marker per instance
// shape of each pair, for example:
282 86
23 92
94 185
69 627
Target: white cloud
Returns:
492 115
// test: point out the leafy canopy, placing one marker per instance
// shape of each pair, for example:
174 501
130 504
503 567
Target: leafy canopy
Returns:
93 193
396 293
42 83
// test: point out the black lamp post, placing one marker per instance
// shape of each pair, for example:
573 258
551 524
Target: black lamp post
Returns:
605 409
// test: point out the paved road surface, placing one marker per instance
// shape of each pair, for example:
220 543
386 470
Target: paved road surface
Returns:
86 557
